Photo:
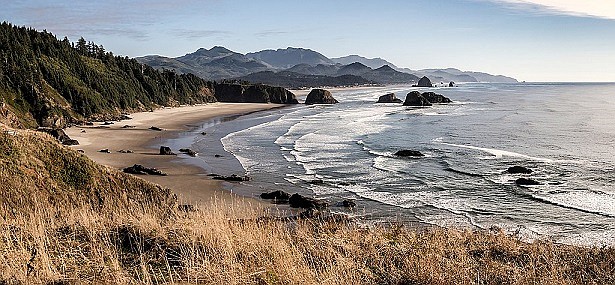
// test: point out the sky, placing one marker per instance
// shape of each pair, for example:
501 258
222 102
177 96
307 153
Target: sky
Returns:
533 40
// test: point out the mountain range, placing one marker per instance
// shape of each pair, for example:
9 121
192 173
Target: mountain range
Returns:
293 67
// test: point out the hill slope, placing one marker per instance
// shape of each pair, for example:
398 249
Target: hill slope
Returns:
51 82
289 57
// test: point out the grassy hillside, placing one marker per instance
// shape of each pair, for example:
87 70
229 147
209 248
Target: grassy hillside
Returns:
66 220
49 82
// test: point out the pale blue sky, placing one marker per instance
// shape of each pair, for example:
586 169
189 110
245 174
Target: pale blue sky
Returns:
562 41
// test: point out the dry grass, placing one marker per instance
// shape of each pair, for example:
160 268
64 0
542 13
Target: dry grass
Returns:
111 228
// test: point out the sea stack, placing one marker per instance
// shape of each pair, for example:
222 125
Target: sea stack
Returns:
389 98
424 82
415 98
320 96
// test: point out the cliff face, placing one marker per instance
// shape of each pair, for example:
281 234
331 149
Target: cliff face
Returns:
238 93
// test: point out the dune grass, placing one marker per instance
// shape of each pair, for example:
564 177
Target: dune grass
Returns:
67 220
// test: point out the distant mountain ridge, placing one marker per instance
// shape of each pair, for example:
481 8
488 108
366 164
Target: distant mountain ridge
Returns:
220 63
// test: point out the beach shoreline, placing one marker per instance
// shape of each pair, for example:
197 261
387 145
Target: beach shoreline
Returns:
190 182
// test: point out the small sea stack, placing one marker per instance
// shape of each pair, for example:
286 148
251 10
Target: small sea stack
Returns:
320 96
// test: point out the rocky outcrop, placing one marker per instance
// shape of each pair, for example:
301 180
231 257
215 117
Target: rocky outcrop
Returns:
238 93
451 84
407 152
519 170
60 135
434 98
389 98
142 170
424 82
276 195
300 201
320 96
414 98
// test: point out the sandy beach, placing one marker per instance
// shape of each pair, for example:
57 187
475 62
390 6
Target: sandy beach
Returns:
190 183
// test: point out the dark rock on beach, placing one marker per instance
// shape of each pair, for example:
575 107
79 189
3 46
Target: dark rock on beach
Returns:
106 150
276 195
188 152
155 128
526 182
407 152
519 170
125 151
451 84
300 201
142 170
165 150
320 96
415 98
389 98
259 93
232 178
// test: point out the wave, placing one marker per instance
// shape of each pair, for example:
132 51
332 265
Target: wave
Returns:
497 153
591 202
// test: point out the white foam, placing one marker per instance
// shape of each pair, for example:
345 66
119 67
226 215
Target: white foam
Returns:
496 153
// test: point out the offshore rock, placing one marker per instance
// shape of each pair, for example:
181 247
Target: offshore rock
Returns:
519 170
434 98
415 98
320 96
407 152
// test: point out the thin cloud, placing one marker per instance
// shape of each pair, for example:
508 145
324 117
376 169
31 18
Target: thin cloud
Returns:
604 9
269 33
198 34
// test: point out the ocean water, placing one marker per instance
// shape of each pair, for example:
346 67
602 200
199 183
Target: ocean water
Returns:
564 132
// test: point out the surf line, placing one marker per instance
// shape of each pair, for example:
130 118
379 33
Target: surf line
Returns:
497 153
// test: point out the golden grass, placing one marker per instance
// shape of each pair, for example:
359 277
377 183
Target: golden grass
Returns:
58 230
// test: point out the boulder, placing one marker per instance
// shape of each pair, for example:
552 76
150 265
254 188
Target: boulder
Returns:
125 151
451 84
142 170
276 195
389 98
300 201
320 96
519 170
155 128
407 152
526 182
434 98
106 150
165 150
424 82
415 98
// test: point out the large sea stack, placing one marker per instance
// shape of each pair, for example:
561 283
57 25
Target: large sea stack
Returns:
389 98
414 98
238 93
417 99
424 82
320 96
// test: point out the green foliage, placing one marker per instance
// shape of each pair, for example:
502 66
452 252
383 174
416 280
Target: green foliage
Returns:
41 76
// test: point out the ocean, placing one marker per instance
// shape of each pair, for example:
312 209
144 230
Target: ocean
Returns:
565 132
